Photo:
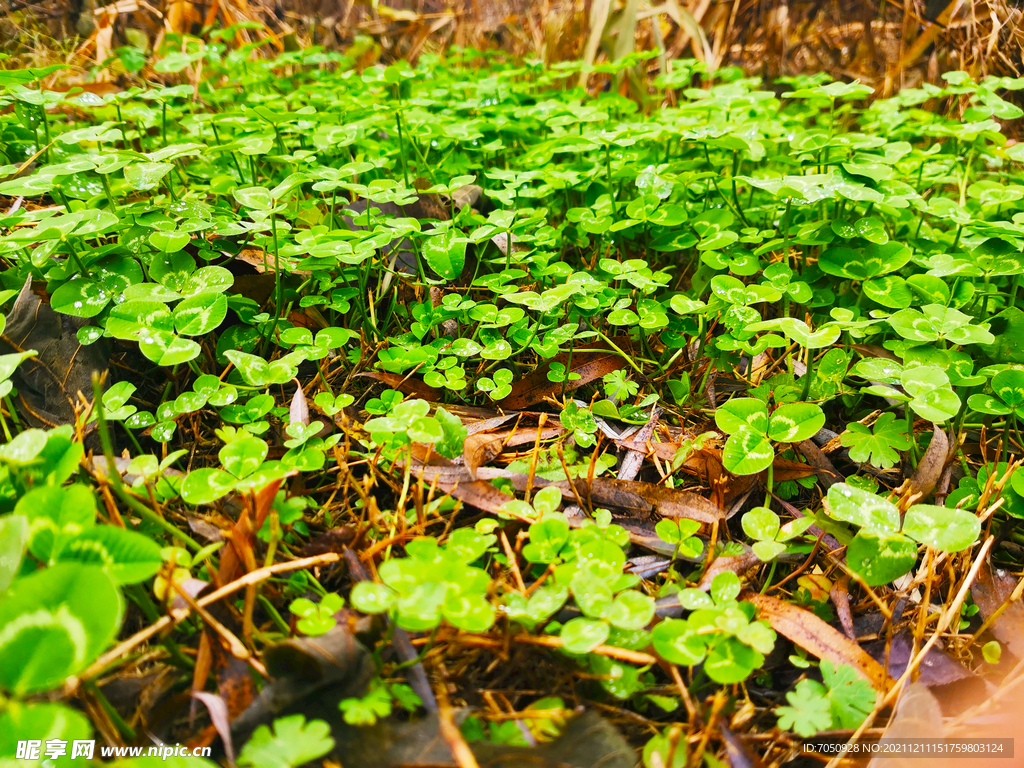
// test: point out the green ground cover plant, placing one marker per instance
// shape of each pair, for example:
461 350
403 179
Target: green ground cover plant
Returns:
462 366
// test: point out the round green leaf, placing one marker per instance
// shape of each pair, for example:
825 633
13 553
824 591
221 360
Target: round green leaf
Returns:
200 314
54 623
43 722
880 558
889 291
947 530
938 405
371 597
165 348
144 176
676 643
471 613
747 452
730 661
80 297
630 610
257 198
988 405
761 523
204 486
1009 386
445 253
742 412
862 508
581 635
623 316
795 422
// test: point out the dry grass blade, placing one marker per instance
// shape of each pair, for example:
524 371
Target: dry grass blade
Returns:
599 11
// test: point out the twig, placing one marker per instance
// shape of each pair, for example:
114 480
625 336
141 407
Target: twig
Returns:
235 646
463 755
179 615
550 641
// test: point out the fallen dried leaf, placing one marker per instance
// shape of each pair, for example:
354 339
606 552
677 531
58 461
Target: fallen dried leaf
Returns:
220 718
585 367
817 459
818 638
408 385
56 384
929 469
993 589
633 459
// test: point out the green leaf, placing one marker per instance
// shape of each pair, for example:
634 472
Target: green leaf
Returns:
761 523
200 314
42 722
731 661
880 558
54 623
872 261
798 331
470 613
55 513
747 452
80 297
367 709
677 643
947 530
740 413
862 508
292 743
851 697
165 348
809 710
795 422
243 456
14 536
256 198
879 444
582 635
630 610
1008 386
145 176
371 597
445 253
992 651
206 485
128 557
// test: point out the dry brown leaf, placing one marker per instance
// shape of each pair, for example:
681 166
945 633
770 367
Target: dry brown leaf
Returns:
55 385
634 458
408 385
670 502
588 366
482 447
918 716
636 498
817 459
818 638
704 463
480 494
738 564
991 590
929 469
220 717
